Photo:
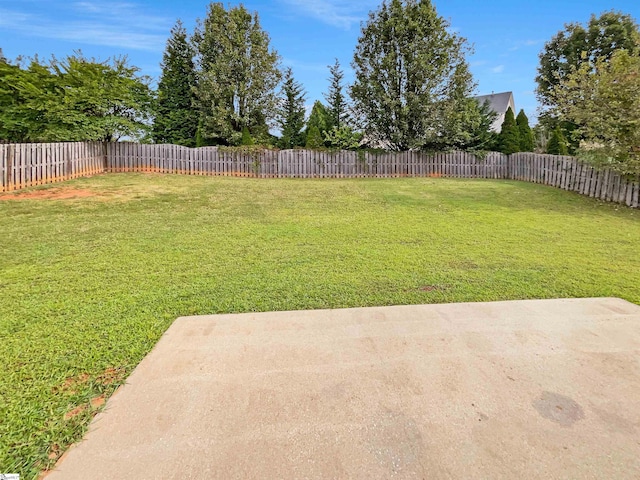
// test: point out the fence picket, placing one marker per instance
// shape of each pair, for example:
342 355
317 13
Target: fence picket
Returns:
25 165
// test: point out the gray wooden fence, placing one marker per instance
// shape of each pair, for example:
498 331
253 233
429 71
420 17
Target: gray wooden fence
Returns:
24 165
29 164
130 157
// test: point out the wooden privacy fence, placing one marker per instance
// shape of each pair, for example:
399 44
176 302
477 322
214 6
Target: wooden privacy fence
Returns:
129 157
23 165
28 164
568 173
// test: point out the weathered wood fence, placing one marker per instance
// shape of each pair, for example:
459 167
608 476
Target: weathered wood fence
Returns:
28 164
25 165
128 157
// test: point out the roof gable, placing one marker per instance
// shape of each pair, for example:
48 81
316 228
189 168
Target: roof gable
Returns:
498 102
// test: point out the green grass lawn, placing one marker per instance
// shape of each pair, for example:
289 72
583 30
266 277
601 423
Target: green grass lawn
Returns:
88 285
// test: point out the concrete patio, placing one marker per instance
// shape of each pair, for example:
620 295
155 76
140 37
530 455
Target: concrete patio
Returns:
522 389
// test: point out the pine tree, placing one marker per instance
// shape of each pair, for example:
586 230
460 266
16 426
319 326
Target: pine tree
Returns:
524 132
557 143
509 134
291 113
336 100
176 120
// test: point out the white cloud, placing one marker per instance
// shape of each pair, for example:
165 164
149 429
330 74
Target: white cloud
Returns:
118 24
338 13
525 43
498 69
312 67
9 18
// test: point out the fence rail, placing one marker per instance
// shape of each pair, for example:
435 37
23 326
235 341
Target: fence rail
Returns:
23 165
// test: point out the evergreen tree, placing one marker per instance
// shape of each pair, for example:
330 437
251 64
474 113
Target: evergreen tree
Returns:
336 100
314 138
246 137
557 143
524 132
238 75
176 120
509 134
319 118
411 77
290 116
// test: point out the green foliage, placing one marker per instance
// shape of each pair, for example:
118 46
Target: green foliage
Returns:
557 144
246 137
509 140
343 138
468 127
577 44
73 99
176 120
541 136
337 109
237 77
319 118
291 112
524 132
314 138
412 82
603 100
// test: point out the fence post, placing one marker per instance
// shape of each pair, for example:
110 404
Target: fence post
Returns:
105 157
9 167
279 171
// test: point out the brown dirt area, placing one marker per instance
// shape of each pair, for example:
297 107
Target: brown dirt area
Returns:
49 194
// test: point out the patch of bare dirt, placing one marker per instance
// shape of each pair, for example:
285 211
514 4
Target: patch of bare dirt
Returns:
74 412
97 402
70 384
433 288
111 375
49 194
429 288
54 451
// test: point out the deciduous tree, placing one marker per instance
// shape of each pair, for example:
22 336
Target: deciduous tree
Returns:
238 75
603 100
577 44
411 77
74 99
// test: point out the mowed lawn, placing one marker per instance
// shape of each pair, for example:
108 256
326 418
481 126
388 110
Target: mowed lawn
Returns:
88 284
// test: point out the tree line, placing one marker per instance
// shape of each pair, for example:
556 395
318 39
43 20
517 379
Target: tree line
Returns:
223 84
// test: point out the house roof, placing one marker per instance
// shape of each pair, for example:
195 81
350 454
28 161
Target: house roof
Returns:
499 102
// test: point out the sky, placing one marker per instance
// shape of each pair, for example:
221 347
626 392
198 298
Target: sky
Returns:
506 36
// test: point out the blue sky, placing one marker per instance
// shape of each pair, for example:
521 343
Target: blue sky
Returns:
308 34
